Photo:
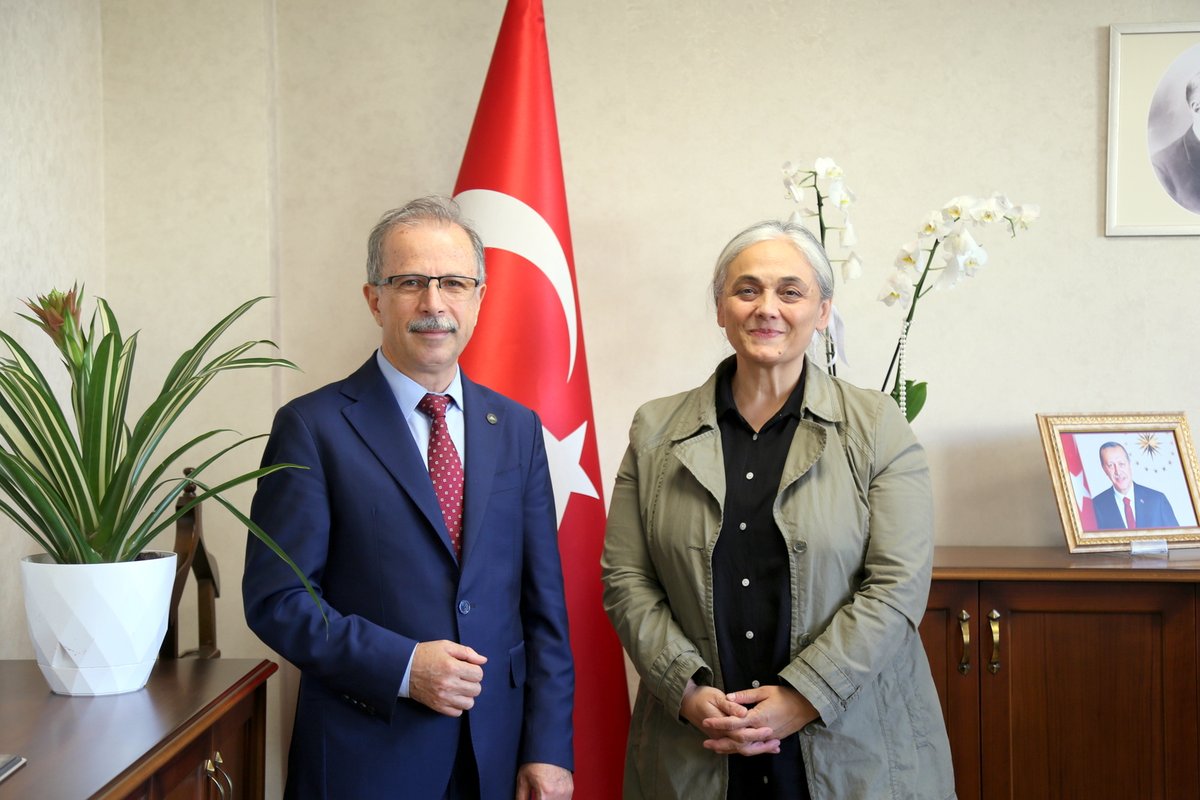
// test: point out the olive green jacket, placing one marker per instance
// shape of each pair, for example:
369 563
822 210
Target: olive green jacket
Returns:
855 508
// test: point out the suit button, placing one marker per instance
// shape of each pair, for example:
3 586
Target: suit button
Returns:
464 607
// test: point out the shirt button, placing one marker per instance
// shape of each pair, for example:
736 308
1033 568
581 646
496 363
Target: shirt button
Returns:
749 476
464 607
742 527
766 779
754 438
749 634
800 547
754 684
745 581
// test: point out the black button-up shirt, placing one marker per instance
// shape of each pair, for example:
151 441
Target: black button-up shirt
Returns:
752 579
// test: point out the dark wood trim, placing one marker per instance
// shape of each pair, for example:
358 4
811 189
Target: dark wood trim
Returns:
1056 564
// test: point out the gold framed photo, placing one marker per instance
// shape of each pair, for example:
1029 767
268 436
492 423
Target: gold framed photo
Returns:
1153 186
1123 482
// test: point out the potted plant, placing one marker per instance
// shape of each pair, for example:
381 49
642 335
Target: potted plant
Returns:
92 489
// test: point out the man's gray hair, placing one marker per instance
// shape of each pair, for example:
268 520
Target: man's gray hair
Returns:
435 209
800 237
1110 446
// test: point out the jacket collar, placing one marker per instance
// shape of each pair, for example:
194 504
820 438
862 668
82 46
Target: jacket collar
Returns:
699 411
696 440
377 419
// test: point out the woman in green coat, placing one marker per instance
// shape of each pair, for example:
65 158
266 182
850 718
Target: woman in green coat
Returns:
767 562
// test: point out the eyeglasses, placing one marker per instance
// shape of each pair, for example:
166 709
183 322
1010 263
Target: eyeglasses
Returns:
454 287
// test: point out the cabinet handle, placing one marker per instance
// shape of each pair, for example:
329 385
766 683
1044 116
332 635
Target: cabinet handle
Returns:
210 770
994 664
964 624
219 762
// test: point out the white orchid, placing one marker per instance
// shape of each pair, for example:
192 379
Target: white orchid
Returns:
828 183
959 242
934 225
962 257
852 268
909 258
985 212
826 168
956 209
898 288
951 272
973 260
1022 216
914 272
840 197
847 236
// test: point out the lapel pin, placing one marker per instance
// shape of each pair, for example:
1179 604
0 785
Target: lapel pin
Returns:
492 418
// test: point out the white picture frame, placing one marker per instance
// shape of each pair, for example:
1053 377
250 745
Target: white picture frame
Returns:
1149 66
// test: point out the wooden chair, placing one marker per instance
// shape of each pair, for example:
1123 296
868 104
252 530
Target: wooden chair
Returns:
193 557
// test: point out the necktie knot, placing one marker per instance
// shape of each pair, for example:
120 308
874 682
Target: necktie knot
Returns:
434 405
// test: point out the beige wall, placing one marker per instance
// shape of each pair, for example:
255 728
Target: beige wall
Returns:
51 201
248 147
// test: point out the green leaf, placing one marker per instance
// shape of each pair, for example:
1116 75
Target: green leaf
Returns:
915 394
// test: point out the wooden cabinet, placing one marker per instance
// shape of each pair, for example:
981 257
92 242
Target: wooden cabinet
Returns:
1067 676
164 741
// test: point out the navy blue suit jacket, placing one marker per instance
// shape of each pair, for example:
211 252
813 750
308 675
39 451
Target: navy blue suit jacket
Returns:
363 523
1151 510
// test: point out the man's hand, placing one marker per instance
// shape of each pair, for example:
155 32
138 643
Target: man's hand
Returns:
778 712
544 782
446 676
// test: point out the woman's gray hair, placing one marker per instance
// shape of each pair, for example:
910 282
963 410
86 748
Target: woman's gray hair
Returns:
800 237
441 210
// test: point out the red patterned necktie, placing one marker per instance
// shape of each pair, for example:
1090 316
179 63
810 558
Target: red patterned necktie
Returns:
1129 521
445 467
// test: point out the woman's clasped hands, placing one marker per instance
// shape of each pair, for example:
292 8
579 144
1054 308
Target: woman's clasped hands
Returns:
748 722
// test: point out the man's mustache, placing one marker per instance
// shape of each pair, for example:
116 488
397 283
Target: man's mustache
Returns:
430 324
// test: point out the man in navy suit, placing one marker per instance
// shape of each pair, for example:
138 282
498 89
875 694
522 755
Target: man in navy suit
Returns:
1128 505
437 675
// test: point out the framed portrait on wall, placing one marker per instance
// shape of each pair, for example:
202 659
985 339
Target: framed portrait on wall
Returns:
1153 130
1123 481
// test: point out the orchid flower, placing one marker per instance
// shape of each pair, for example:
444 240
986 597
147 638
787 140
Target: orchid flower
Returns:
847 237
852 268
826 168
898 288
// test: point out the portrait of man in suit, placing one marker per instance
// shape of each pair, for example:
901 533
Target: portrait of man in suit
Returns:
423 514
1127 505
1178 164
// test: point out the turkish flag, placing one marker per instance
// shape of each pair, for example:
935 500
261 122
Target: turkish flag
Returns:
529 345
1083 495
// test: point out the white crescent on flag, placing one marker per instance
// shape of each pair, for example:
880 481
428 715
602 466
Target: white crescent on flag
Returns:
505 223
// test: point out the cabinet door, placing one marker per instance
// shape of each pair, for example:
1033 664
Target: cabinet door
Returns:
239 738
184 776
950 632
1089 690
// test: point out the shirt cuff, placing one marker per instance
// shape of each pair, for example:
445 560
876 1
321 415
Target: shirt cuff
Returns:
407 674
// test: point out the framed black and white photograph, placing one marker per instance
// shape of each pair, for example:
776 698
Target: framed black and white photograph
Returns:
1123 480
1154 130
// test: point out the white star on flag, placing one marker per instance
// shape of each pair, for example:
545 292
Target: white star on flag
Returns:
566 474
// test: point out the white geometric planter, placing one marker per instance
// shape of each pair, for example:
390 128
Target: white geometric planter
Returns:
96 628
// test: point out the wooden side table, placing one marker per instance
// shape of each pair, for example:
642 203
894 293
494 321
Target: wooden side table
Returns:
198 729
